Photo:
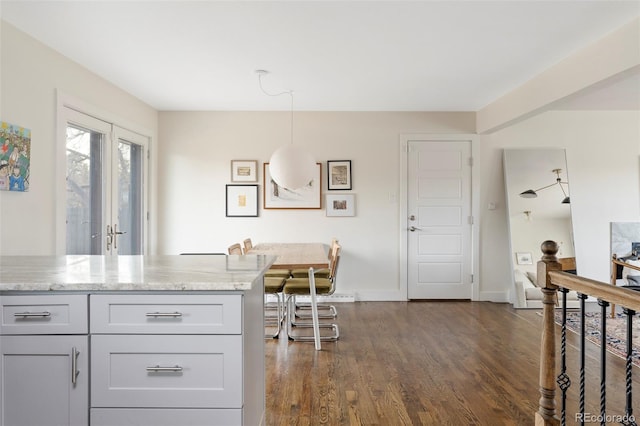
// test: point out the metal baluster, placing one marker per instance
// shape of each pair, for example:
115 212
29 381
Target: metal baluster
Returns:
563 379
603 361
583 350
628 418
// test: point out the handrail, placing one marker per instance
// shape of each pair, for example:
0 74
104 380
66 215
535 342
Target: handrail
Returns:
600 290
550 278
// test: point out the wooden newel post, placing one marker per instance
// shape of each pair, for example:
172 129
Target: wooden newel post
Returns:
546 414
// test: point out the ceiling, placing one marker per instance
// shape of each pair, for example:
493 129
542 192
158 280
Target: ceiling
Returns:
334 55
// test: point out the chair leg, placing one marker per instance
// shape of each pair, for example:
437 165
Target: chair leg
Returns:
278 320
290 323
314 310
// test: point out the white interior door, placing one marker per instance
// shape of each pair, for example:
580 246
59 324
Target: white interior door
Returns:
439 220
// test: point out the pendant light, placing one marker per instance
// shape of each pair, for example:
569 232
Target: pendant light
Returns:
290 166
533 193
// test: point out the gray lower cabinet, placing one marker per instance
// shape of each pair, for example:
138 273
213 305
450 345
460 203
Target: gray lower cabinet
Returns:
166 360
44 367
121 359
45 380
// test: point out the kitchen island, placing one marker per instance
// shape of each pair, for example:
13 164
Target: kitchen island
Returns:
132 340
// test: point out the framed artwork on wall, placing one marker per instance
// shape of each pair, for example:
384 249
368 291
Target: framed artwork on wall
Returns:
277 197
242 201
244 171
341 205
524 258
339 174
15 157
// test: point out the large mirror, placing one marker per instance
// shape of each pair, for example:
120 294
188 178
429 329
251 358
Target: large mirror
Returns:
539 208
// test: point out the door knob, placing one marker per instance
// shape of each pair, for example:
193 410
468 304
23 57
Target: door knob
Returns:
413 229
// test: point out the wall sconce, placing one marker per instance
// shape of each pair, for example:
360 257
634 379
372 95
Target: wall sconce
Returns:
533 193
290 166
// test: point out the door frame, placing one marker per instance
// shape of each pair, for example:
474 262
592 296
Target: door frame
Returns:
65 101
403 211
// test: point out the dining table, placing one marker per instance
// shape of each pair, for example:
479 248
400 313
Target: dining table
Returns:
299 256
294 255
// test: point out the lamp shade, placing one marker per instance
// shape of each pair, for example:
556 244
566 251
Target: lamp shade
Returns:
291 167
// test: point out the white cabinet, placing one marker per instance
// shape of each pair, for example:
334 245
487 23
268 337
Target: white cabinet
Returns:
167 360
166 371
166 314
179 359
44 367
44 314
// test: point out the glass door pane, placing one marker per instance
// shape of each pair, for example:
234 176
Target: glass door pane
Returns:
129 228
85 193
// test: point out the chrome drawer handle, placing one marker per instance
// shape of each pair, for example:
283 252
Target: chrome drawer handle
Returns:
74 365
157 369
164 314
32 314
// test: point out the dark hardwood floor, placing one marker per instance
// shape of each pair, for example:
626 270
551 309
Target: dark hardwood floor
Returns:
425 363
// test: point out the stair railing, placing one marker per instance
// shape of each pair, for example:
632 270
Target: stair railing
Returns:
553 282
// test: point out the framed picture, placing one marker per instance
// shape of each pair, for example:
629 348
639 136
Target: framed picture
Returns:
244 171
339 175
524 258
242 201
341 205
277 197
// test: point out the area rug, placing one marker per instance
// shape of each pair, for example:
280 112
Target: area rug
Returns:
616 332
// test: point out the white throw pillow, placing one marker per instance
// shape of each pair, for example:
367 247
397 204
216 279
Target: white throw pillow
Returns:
533 279
628 271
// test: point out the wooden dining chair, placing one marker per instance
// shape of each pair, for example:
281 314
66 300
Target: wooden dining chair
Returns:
325 310
235 249
301 286
319 273
248 245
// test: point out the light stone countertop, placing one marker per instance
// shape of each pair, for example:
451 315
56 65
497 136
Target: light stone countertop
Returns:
131 273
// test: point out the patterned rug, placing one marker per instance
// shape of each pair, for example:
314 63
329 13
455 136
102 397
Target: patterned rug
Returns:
616 332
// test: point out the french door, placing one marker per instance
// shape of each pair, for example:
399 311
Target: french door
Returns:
105 179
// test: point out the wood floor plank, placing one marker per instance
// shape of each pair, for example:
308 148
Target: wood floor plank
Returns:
424 363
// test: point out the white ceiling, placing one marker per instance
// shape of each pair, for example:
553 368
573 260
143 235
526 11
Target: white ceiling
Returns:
335 55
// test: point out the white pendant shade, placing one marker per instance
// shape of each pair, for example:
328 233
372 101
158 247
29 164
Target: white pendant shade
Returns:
291 167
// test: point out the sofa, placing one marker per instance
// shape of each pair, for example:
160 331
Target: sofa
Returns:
528 295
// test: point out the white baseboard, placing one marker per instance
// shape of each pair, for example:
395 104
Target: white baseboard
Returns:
334 298
494 296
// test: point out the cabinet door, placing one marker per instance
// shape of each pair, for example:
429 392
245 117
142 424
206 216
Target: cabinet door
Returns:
45 380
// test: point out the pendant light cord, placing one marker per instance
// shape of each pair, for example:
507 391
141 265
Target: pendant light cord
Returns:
287 92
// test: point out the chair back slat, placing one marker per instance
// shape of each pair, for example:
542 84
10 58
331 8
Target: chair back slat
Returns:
248 245
235 249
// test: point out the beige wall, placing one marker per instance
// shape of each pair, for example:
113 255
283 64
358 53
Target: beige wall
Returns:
194 159
195 148
603 153
30 78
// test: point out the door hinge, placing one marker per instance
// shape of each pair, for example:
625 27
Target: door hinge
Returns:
472 278
470 219
148 154
147 215
470 161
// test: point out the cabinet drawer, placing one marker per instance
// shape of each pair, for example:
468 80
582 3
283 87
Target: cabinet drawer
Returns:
165 417
166 371
44 314
166 314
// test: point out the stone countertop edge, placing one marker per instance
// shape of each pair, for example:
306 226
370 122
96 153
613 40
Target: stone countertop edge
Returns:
158 279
